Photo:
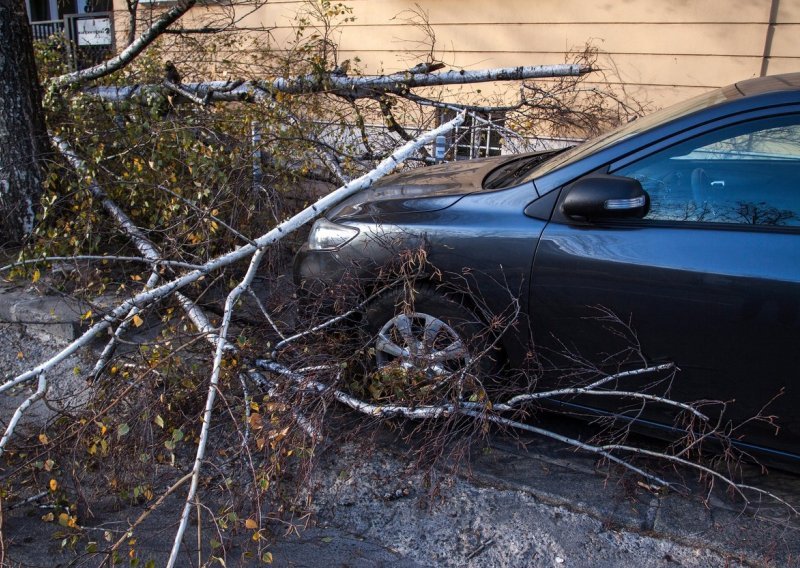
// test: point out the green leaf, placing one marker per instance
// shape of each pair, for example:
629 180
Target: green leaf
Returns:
122 429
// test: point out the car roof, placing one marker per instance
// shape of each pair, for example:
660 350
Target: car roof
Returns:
761 85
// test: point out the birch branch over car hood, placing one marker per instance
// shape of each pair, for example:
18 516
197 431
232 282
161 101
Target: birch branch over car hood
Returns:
421 189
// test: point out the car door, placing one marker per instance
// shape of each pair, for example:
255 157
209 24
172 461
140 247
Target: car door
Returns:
709 280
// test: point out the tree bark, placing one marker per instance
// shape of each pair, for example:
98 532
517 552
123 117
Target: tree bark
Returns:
23 134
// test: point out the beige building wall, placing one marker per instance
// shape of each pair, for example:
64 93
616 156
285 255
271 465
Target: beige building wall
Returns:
661 50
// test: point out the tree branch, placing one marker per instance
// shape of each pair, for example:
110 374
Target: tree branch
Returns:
343 85
148 250
280 231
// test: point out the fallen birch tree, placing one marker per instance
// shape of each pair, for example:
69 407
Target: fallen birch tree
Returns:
269 238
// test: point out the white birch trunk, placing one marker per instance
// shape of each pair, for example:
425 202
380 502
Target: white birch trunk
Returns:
354 87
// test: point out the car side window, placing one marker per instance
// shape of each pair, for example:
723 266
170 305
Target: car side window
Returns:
748 174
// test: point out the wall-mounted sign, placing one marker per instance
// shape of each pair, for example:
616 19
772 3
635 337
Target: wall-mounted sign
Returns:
94 31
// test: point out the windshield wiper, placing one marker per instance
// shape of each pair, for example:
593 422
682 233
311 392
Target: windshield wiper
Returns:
522 169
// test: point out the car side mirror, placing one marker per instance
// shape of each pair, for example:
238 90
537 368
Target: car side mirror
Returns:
606 197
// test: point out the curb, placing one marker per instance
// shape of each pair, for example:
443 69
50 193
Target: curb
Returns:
47 317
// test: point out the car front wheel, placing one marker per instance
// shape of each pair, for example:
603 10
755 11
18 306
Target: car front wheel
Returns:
425 348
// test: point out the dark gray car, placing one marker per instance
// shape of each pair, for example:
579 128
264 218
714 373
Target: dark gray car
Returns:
684 224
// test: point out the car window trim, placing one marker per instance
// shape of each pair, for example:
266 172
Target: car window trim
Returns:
701 225
701 129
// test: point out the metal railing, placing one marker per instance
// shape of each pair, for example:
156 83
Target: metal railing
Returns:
43 30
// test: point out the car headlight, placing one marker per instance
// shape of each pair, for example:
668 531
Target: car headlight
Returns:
330 236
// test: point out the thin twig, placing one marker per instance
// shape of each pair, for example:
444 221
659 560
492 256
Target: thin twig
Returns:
140 519
100 258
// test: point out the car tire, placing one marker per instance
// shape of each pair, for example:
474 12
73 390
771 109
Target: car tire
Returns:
425 347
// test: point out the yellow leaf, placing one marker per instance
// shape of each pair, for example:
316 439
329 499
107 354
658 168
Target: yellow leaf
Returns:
250 524
137 321
48 518
53 485
278 436
43 439
136 277
36 276
87 315
20 355
63 519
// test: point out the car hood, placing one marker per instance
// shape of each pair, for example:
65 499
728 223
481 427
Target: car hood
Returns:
418 190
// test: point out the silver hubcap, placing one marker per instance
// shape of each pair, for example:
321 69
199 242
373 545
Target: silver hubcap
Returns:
423 343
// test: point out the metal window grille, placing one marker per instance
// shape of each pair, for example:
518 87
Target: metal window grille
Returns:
478 137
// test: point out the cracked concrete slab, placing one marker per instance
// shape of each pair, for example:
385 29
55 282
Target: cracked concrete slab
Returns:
46 316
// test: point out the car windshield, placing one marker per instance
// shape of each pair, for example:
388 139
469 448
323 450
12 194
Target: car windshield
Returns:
626 131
